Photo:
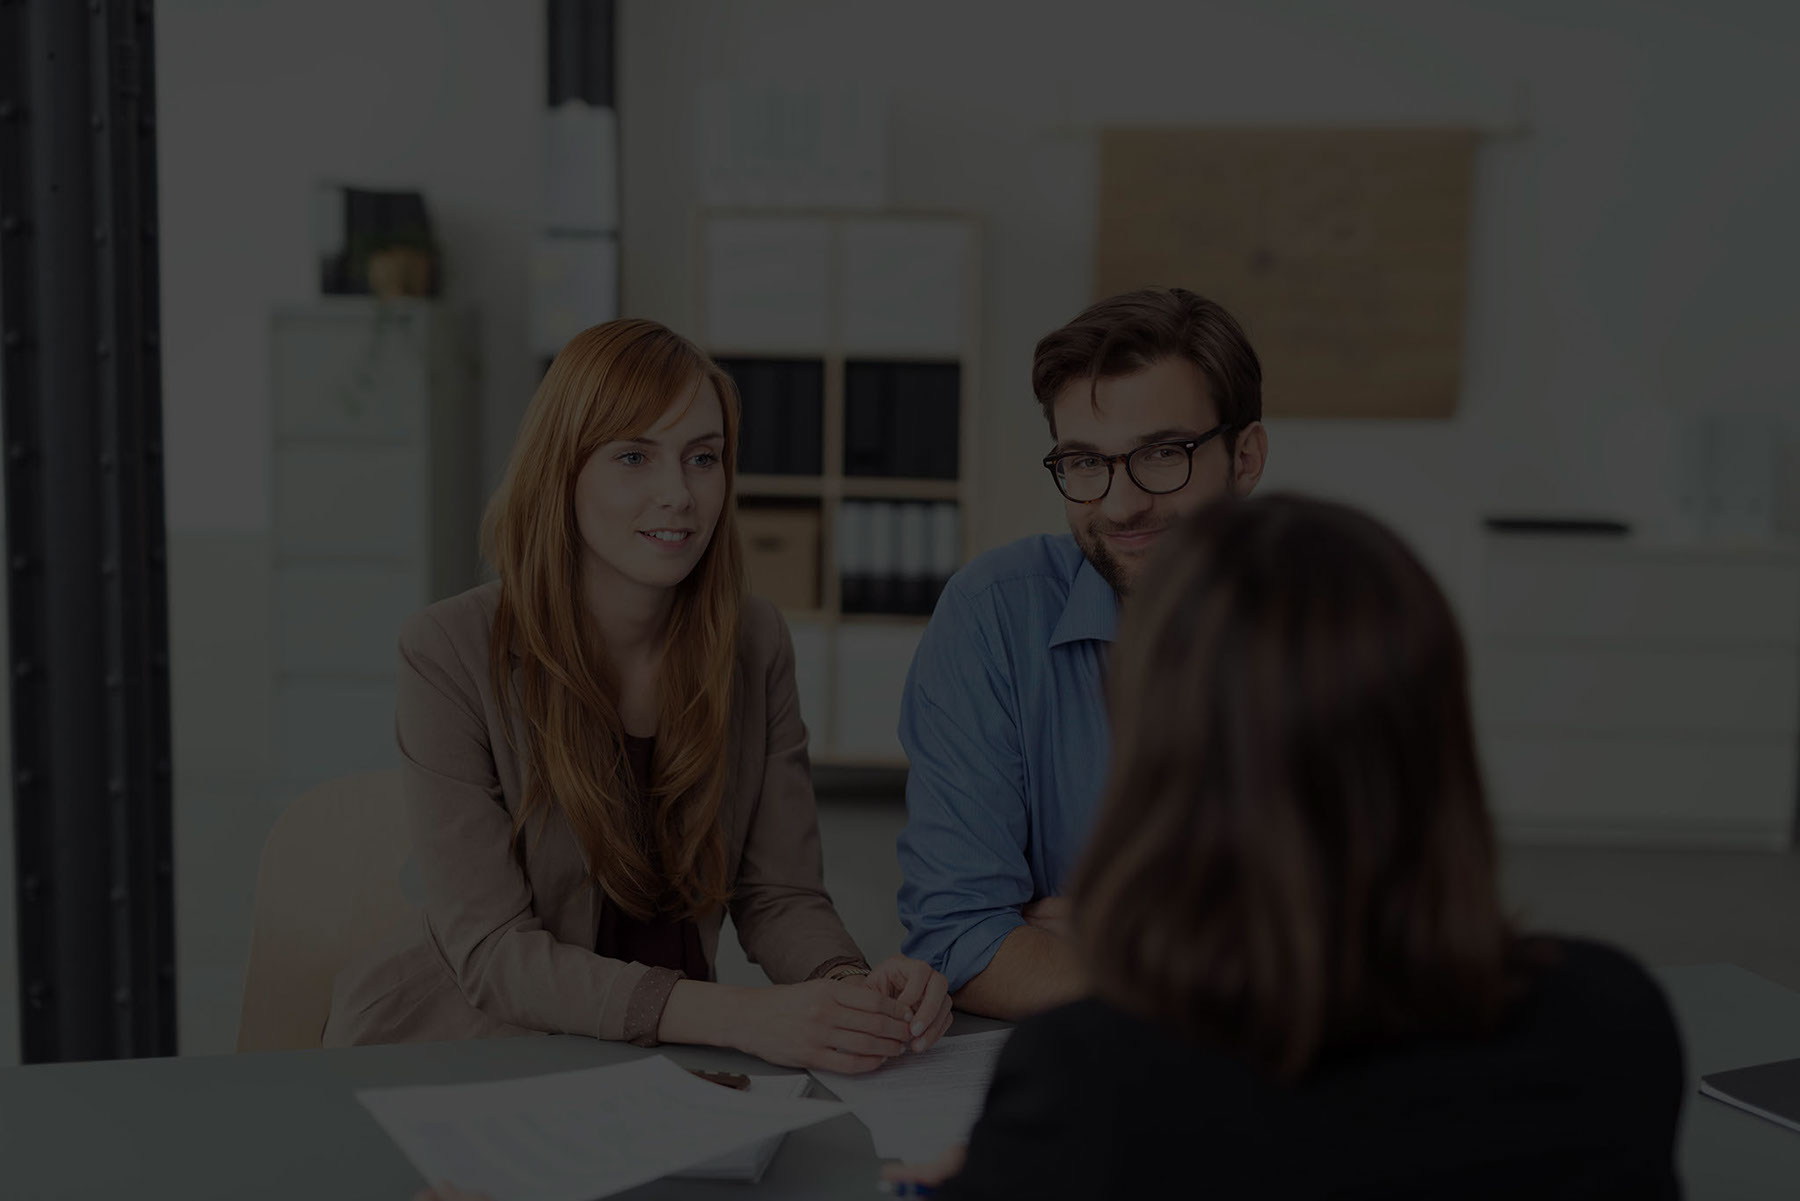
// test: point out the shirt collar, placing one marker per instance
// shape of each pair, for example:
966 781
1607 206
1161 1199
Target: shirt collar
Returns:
1092 611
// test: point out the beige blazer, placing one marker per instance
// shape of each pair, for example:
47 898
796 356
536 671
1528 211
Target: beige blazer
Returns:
506 942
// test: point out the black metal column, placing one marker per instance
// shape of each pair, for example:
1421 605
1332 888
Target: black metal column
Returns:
85 530
581 65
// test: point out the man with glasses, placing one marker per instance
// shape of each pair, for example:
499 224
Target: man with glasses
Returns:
1154 399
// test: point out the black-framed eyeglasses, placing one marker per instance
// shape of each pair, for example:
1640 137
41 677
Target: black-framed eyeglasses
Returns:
1085 476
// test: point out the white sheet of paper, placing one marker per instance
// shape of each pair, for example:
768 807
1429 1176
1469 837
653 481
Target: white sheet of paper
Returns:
919 1106
575 1136
749 1162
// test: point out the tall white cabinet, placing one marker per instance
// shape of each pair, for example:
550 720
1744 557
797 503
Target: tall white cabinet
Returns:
867 322
376 510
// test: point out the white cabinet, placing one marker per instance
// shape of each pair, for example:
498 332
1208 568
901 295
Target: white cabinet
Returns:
376 513
872 664
853 333
1640 693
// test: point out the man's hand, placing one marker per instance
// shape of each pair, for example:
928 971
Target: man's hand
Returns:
1050 913
923 991
930 1174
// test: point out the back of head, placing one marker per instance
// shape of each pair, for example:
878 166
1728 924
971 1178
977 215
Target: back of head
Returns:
1294 853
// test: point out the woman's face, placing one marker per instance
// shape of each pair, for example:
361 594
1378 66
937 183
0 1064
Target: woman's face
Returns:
646 507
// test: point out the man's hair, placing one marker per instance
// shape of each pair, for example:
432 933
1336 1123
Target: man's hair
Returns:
1294 855
1124 334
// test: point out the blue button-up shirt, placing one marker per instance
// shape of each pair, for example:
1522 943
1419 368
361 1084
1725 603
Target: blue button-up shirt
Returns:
1005 729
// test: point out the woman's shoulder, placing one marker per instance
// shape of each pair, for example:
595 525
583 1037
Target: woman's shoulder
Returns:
457 627
1598 995
762 633
1589 973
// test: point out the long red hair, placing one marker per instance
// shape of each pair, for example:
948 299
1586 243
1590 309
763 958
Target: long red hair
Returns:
547 660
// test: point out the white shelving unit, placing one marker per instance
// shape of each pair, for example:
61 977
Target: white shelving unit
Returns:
376 512
841 286
1640 693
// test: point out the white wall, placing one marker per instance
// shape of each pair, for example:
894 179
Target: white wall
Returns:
259 100
1631 256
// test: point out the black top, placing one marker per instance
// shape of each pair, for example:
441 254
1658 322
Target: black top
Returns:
1576 1096
666 940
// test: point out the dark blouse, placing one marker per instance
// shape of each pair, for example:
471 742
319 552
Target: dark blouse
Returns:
1577 1096
663 941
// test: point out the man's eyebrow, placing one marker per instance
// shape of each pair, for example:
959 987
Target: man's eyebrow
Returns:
1181 434
1164 435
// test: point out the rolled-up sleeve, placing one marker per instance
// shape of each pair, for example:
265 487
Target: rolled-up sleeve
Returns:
963 854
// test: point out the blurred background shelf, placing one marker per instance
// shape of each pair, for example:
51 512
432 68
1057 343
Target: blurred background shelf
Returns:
851 336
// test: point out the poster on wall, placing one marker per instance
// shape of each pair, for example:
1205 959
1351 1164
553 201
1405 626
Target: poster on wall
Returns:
1343 251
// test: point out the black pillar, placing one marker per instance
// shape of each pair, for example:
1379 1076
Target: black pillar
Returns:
581 52
85 556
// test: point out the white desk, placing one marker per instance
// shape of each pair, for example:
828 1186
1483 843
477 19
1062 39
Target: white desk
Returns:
1731 1018
285 1126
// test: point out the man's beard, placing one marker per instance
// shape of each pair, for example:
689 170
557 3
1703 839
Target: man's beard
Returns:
1093 545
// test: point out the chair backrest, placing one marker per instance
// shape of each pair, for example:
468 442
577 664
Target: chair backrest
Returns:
328 888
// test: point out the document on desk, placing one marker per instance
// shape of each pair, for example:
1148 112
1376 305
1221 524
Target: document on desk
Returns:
575 1136
918 1106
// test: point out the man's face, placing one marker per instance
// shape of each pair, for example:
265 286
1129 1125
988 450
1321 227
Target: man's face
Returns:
1165 402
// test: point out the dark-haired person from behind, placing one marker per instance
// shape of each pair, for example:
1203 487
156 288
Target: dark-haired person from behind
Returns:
1304 983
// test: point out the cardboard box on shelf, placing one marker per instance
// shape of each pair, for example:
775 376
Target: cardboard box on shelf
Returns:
781 553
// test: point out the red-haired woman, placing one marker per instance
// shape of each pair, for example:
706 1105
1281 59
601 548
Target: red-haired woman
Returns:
603 753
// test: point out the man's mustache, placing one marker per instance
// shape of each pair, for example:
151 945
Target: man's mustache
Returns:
1136 527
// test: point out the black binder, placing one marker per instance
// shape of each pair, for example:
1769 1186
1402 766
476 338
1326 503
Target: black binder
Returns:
902 419
782 424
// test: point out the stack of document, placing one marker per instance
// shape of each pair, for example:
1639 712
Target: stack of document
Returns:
919 1106
748 1163
575 1136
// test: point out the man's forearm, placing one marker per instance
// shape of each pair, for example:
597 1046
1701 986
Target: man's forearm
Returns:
1033 970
